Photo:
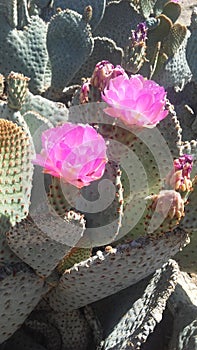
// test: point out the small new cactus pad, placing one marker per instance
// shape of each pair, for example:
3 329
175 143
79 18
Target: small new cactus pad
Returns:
107 273
137 323
16 172
21 290
17 88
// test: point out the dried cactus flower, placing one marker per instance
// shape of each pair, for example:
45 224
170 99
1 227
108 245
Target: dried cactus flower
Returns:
179 177
135 51
136 101
83 97
105 71
74 153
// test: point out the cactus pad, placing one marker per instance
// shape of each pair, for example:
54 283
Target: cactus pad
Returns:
66 59
136 324
21 290
16 171
107 273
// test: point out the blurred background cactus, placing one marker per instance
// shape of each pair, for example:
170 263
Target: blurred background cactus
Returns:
75 273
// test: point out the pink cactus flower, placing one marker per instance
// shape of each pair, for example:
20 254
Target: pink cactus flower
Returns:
136 101
74 153
105 71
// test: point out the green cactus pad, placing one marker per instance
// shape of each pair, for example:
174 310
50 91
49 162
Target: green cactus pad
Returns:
187 257
191 50
7 256
103 47
75 256
183 306
54 112
171 131
98 8
22 341
102 205
107 273
118 20
67 27
36 248
146 7
16 172
21 290
72 327
176 71
161 31
189 223
136 324
21 52
174 39
172 10
17 88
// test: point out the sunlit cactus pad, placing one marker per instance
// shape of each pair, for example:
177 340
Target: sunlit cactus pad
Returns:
107 273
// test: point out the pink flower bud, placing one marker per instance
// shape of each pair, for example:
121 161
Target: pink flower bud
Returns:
179 177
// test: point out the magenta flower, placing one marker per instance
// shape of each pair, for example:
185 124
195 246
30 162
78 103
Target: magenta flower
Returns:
74 153
136 101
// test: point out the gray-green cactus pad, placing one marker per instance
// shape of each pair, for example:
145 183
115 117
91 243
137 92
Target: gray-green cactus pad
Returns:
117 22
98 8
191 50
39 250
104 48
176 71
107 273
7 256
25 51
183 305
69 330
67 27
53 111
21 341
21 290
136 324
16 173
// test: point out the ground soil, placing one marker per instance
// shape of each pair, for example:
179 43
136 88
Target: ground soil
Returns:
187 6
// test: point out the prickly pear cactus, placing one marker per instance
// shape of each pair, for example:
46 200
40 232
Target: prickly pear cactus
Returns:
67 250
